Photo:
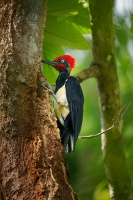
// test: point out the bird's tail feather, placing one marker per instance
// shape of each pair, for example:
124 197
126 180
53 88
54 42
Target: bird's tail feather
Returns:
68 143
67 135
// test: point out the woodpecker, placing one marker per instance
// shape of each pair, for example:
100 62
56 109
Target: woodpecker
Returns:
69 111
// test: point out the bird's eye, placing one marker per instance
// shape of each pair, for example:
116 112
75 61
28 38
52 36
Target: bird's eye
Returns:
62 60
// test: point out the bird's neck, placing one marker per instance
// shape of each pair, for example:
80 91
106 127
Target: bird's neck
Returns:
61 80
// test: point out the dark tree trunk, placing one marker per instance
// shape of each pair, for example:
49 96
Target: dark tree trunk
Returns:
112 143
32 159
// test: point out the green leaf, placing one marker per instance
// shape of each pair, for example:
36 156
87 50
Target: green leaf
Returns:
50 52
131 19
61 8
82 19
131 28
62 33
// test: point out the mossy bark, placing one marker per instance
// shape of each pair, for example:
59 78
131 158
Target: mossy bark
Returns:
109 92
32 160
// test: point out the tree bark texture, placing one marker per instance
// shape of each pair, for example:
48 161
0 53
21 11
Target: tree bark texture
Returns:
112 142
32 159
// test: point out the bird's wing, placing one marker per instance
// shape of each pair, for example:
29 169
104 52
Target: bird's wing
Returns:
75 100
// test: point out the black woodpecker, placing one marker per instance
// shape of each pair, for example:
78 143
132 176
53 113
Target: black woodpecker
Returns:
69 112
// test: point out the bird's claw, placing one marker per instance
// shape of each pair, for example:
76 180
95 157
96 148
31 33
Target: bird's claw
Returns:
49 88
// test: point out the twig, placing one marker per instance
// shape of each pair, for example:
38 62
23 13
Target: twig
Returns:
120 116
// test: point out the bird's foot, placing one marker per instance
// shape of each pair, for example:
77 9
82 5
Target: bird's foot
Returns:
49 88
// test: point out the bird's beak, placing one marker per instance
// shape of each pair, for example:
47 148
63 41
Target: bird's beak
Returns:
49 62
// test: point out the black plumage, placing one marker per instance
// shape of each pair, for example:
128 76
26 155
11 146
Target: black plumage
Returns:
72 123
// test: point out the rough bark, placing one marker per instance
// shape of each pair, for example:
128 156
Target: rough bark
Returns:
104 56
32 160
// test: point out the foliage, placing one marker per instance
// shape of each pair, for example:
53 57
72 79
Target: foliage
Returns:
65 25
68 30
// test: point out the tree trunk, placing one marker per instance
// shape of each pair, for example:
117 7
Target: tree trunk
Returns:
112 142
32 159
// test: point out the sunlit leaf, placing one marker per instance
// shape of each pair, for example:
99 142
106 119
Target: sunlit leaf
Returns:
82 19
101 192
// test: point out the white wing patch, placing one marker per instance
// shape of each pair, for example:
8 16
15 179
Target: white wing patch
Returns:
61 111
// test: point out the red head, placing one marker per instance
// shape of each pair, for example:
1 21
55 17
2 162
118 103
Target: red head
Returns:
62 63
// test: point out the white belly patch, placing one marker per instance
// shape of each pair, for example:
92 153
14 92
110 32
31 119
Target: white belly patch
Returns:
61 111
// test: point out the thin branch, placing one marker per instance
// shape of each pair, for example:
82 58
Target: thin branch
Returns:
120 116
90 72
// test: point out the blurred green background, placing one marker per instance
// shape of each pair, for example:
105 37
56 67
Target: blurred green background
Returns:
68 31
